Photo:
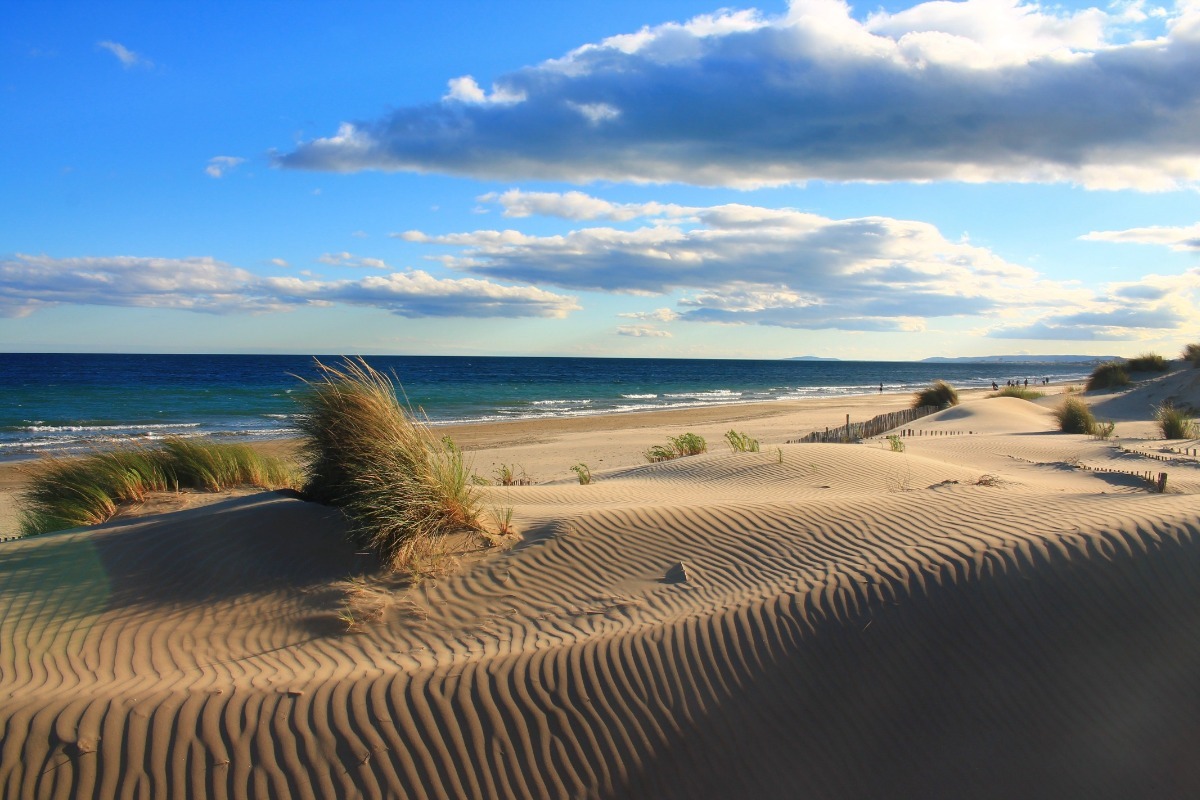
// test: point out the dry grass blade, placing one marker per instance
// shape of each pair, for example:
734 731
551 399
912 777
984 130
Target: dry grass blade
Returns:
370 455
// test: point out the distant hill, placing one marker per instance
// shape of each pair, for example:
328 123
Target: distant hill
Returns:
1025 359
810 358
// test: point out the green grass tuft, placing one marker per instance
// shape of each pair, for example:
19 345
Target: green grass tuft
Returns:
583 472
401 486
70 492
741 443
1108 376
687 444
1175 423
1148 362
1019 391
1191 353
1074 416
939 394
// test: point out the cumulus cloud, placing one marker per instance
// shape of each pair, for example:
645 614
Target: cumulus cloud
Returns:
981 90
657 315
579 206
643 330
29 283
1182 239
744 264
127 57
219 165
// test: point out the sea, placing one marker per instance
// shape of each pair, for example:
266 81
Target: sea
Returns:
74 402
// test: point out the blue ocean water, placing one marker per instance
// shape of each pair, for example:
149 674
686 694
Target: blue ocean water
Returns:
73 402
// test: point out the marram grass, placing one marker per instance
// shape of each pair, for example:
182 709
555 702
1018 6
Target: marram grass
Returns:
69 492
366 452
1074 416
938 393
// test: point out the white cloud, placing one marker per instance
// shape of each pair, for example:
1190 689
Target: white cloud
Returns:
127 57
1184 239
577 205
219 165
982 90
642 330
29 283
280 262
657 315
744 264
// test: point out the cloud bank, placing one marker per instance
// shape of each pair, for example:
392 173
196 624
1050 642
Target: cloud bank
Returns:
29 283
982 90
743 264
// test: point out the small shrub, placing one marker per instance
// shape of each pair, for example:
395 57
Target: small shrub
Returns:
939 394
400 486
503 520
1175 423
741 443
584 474
508 476
896 443
1074 416
1020 392
1191 353
1104 430
70 492
1108 376
1148 362
687 444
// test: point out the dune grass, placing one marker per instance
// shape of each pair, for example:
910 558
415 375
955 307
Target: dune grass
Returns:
938 393
1018 391
1175 423
686 444
583 472
741 443
367 453
1191 352
1074 416
69 492
1109 375
1148 362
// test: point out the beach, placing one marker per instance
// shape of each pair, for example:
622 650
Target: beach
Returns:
983 607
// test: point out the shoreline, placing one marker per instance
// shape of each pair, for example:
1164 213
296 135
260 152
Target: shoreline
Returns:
545 449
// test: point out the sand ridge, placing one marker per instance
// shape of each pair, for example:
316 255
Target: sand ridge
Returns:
976 616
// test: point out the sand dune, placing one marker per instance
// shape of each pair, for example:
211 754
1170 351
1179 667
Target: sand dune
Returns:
977 616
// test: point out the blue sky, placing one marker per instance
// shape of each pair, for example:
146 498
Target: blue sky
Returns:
643 178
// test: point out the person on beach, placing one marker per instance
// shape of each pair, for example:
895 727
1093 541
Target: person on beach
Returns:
881 388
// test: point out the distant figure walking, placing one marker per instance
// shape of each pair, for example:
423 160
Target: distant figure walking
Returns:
881 388
994 386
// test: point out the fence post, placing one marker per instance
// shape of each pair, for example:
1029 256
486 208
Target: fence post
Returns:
1161 484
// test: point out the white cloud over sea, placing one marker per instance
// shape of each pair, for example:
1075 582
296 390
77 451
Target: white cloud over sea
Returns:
981 90
744 264
29 283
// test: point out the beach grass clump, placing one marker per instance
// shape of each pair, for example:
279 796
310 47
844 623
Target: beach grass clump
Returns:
1074 416
1108 375
70 492
939 394
1191 352
1174 422
895 443
1019 392
741 443
686 444
1104 430
583 472
1148 362
511 476
367 453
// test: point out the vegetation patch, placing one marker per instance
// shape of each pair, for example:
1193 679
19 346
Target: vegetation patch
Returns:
366 452
1175 423
1191 352
741 443
1109 375
939 394
69 492
687 444
1148 362
1074 416
1020 392
584 474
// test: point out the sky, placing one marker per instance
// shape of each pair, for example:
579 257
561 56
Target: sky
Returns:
642 178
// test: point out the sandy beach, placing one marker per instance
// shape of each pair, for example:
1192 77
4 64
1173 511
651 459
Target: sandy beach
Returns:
998 610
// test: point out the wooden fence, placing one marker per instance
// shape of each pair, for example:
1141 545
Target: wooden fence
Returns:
856 431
